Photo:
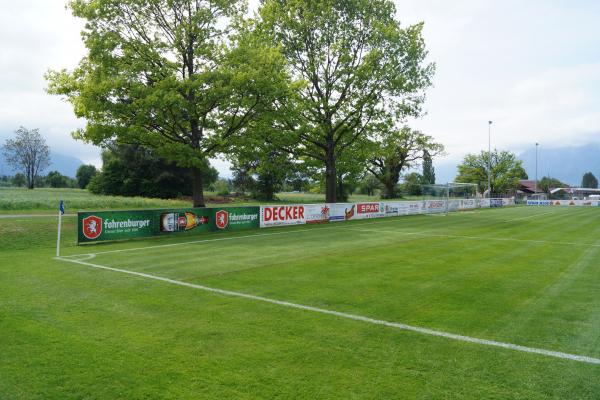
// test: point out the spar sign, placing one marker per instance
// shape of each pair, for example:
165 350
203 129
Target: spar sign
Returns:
282 215
366 210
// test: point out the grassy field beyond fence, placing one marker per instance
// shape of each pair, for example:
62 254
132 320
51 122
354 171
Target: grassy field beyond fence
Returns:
17 200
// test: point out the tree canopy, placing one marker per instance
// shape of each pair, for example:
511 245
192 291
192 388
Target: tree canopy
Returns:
506 171
175 75
589 181
396 150
354 66
133 170
84 175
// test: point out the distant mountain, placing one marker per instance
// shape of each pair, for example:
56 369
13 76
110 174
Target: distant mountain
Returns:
66 165
567 164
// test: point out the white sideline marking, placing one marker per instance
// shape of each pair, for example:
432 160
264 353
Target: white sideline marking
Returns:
332 227
417 329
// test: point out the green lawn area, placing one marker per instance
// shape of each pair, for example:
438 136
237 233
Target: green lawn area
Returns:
45 200
525 276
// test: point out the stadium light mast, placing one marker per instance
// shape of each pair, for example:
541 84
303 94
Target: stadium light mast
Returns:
490 160
536 166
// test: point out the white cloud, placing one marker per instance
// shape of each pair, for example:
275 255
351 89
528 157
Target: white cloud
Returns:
531 67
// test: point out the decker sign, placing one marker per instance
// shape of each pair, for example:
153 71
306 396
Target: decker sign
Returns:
282 215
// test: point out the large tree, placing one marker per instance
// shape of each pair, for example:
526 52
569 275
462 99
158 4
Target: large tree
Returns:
28 153
175 75
589 181
428 169
506 171
353 64
134 170
396 150
84 175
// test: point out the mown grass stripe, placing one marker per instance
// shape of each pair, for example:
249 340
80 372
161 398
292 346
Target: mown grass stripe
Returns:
397 325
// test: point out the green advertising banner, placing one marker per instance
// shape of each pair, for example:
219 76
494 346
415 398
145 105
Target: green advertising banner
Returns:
114 225
102 226
236 218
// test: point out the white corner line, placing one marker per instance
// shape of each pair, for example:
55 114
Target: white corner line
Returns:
397 325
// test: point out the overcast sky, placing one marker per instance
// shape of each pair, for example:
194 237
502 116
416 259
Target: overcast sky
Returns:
531 66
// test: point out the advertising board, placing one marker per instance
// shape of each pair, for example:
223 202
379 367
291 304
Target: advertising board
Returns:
118 225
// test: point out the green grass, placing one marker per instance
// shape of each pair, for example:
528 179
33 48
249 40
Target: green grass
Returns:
69 332
45 200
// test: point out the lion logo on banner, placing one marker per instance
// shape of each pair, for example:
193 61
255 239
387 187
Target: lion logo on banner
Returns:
92 227
222 219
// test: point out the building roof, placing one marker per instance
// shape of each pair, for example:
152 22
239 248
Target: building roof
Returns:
571 190
528 186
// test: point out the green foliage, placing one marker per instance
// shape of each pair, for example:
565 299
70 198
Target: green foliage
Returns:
222 187
260 167
413 184
55 179
548 183
369 185
133 170
395 150
84 175
19 180
428 169
353 66
179 76
589 181
506 171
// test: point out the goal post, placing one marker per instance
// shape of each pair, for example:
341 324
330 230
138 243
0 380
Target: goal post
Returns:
455 196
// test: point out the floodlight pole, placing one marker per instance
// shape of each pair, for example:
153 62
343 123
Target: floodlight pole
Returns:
536 168
490 161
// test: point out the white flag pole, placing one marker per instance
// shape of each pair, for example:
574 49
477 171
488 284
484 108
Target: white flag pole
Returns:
58 236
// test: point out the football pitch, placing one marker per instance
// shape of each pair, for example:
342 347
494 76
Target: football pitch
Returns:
499 303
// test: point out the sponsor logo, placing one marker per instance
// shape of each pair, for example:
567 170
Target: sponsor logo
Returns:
283 213
92 227
348 214
367 208
496 203
318 217
222 219
114 225
435 204
391 209
241 218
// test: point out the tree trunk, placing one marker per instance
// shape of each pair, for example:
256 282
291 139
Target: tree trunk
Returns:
390 190
330 180
197 188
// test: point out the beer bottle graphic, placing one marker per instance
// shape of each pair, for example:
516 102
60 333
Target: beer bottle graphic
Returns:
180 221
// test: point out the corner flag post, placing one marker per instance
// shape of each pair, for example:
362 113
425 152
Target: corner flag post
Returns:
61 211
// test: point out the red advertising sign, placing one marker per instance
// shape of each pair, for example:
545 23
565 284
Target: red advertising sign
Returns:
282 215
221 219
367 208
92 227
